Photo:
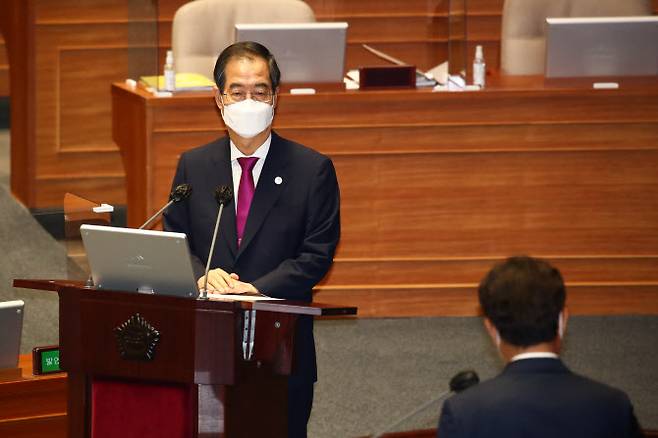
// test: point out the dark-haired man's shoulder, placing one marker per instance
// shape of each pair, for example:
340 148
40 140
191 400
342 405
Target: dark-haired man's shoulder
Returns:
539 404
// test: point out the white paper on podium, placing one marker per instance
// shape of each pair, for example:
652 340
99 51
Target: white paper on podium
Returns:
237 297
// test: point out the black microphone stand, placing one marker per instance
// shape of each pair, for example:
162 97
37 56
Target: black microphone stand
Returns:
223 195
460 382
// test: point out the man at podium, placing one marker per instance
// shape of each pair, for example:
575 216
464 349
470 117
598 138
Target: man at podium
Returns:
279 235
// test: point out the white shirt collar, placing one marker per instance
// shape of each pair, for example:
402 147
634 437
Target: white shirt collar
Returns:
260 152
538 355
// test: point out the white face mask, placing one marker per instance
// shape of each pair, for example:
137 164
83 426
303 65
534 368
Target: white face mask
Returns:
248 118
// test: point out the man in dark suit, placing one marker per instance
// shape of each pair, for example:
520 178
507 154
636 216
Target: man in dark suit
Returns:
536 395
279 236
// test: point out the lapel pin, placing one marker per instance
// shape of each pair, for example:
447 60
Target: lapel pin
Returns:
278 180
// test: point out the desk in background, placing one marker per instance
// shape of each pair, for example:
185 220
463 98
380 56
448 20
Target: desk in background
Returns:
436 187
64 55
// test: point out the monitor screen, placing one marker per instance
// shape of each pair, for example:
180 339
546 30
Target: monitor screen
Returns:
11 327
304 52
603 46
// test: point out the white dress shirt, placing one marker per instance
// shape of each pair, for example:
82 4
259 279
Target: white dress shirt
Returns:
537 355
261 153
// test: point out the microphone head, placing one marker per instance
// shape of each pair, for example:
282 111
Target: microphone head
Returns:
464 380
223 195
180 193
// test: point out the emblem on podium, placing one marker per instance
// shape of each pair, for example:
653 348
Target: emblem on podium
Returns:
137 339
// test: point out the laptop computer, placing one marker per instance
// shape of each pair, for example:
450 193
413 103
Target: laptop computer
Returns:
304 52
11 328
145 261
603 46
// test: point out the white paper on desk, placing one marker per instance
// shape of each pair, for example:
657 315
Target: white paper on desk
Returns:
351 80
239 297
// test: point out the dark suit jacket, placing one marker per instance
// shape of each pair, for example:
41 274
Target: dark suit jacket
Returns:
537 398
291 232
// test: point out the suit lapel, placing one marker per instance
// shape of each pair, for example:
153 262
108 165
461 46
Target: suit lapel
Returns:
223 175
267 190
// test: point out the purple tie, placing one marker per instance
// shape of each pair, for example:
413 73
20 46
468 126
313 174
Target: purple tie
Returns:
245 193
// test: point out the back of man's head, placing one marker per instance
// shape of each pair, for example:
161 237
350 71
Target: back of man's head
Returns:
523 298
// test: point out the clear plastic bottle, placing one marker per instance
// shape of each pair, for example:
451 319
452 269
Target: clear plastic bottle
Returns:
169 73
479 67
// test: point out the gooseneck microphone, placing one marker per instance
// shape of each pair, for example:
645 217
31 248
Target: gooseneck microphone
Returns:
223 196
460 381
180 193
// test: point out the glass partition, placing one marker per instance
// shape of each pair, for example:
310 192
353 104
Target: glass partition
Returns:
78 211
457 39
143 42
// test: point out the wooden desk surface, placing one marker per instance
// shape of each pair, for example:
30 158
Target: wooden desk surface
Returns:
33 405
436 187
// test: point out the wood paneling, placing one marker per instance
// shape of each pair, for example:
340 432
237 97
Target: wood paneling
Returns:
469 270
78 84
415 31
33 405
68 52
4 68
430 202
461 300
52 426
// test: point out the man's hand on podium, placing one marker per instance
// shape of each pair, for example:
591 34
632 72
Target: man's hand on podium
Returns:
220 281
242 288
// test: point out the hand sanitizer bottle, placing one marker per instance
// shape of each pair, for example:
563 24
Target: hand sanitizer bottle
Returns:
479 67
169 74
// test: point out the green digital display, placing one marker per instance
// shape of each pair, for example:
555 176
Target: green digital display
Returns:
50 361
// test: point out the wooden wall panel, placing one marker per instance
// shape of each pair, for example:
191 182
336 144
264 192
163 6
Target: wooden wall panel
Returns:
582 269
461 300
78 84
498 203
474 138
366 7
415 31
405 28
77 49
4 68
62 142
32 406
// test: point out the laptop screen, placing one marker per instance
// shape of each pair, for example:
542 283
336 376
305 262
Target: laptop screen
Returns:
145 261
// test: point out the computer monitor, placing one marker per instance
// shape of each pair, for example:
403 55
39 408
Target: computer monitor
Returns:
145 261
602 46
11 328
304 52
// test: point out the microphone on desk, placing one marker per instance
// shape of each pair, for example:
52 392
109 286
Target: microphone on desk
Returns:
180 193
223 196
460 381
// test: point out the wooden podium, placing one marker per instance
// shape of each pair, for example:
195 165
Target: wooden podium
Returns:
182 367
